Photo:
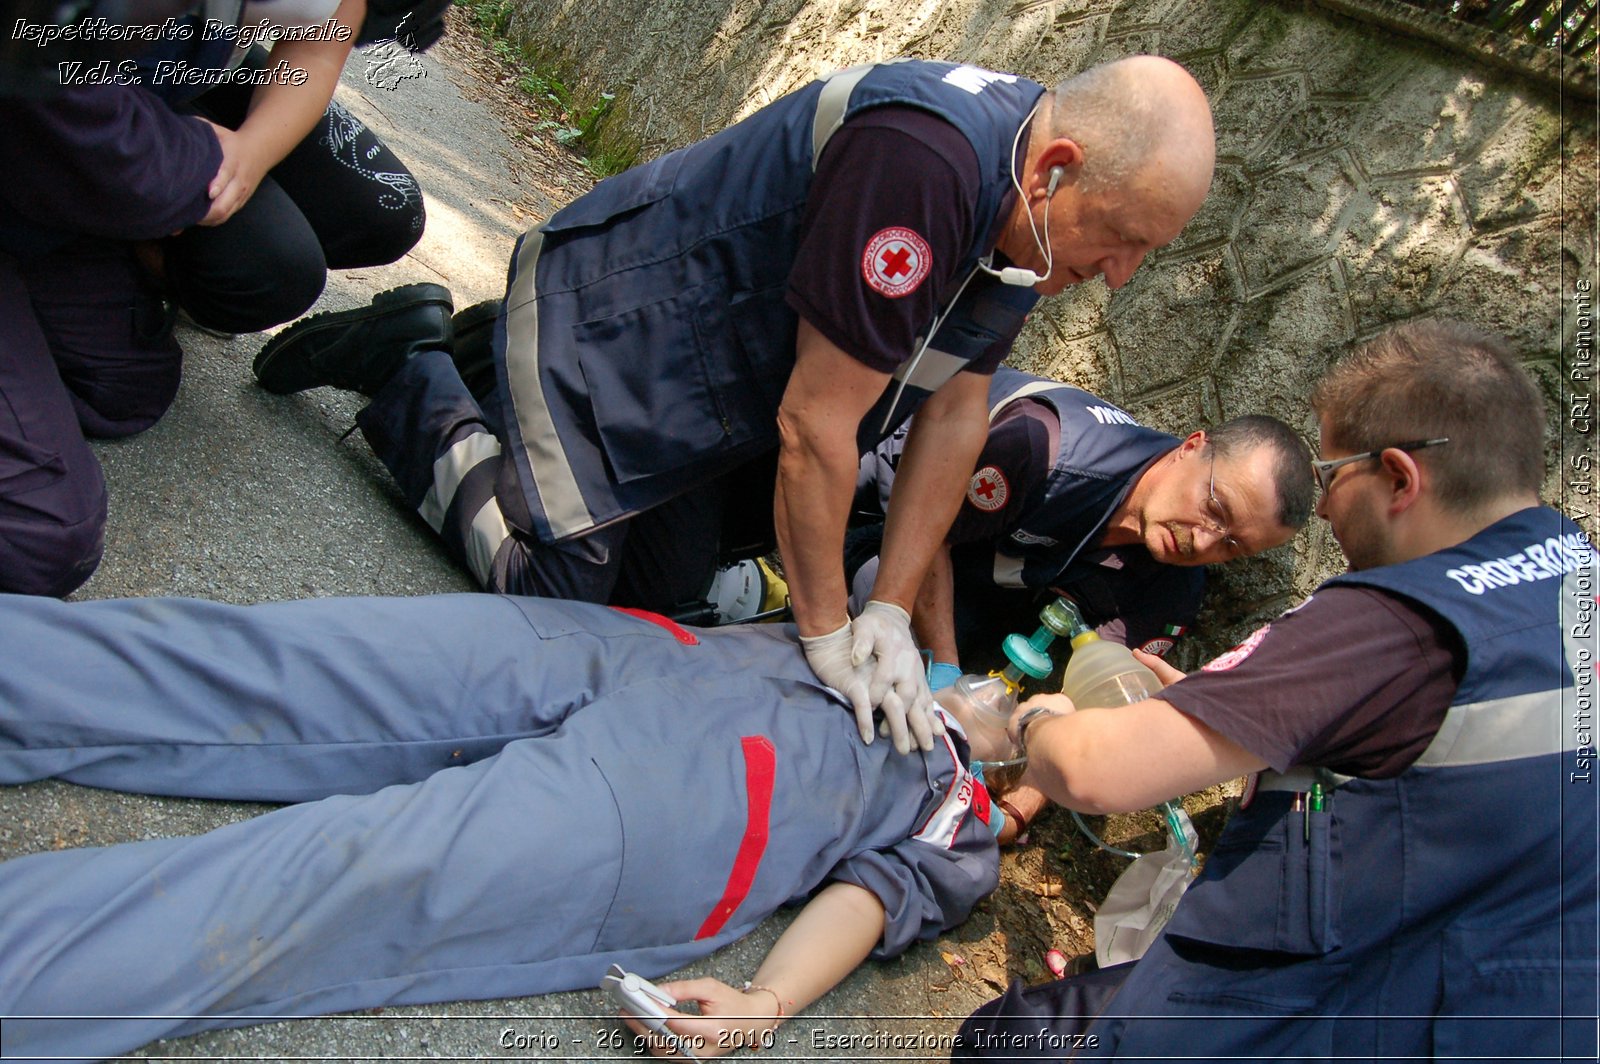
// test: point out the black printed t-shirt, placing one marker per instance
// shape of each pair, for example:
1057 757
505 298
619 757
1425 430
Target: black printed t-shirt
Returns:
1356 680
888 167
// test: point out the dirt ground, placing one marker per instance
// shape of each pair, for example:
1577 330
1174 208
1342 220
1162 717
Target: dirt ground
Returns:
1050 886
540 162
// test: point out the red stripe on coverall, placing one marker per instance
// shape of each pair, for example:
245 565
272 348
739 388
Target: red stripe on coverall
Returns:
680 633
760 768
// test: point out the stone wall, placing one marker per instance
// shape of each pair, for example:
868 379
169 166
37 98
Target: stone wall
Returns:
1364 177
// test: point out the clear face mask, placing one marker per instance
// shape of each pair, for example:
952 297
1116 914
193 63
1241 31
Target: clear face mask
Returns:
1000 776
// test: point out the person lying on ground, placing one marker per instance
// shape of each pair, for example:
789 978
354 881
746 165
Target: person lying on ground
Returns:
496 796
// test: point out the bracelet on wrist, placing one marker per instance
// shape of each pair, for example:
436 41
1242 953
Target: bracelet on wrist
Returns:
749 987
1013 816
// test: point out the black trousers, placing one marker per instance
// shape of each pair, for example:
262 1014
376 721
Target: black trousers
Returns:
340 200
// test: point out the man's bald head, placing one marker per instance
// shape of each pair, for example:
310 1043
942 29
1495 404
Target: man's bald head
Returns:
1119 159
1142 122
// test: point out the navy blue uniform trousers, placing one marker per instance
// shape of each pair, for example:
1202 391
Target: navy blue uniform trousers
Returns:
86 349
433 435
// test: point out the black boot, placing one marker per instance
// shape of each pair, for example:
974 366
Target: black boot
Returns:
474 350
360 349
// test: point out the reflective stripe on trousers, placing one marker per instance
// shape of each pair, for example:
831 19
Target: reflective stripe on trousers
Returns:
479 537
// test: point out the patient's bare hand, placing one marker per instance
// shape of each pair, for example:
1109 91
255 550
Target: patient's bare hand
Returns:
1164 672
729 1019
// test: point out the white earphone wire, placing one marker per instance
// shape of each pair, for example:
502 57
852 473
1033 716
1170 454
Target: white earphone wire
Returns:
1017 275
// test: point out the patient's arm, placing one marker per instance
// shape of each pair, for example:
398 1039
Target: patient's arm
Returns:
1026 800
833 933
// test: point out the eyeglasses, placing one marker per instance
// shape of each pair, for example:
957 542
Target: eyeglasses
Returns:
1216 518
1324 468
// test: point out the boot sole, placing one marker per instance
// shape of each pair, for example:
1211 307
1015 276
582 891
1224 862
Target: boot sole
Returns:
474 355
477 315
286 364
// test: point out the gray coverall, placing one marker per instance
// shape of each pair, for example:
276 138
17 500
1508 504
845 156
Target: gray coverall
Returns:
465 831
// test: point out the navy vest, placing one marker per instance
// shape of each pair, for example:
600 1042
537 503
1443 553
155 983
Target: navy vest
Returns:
1449 911
1101 454
646 343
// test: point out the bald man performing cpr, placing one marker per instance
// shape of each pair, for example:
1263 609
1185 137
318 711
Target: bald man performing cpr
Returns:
756 311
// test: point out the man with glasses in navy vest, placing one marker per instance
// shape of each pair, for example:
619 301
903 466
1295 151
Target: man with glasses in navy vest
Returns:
731 326
1074 497
1411 870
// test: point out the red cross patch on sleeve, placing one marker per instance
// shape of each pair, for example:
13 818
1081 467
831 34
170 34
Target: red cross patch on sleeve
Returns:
988 490
896 261
1238 653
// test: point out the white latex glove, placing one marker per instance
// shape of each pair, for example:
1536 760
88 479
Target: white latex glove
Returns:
881 637
829 657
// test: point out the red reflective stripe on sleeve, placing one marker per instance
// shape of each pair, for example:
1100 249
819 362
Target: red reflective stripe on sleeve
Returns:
760 768
680 633
980 801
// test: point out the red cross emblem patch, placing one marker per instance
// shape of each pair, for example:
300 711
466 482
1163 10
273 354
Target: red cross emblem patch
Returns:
988 490
1238 653
896 261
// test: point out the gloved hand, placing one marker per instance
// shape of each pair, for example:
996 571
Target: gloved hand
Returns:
942 674
881 636
829 657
